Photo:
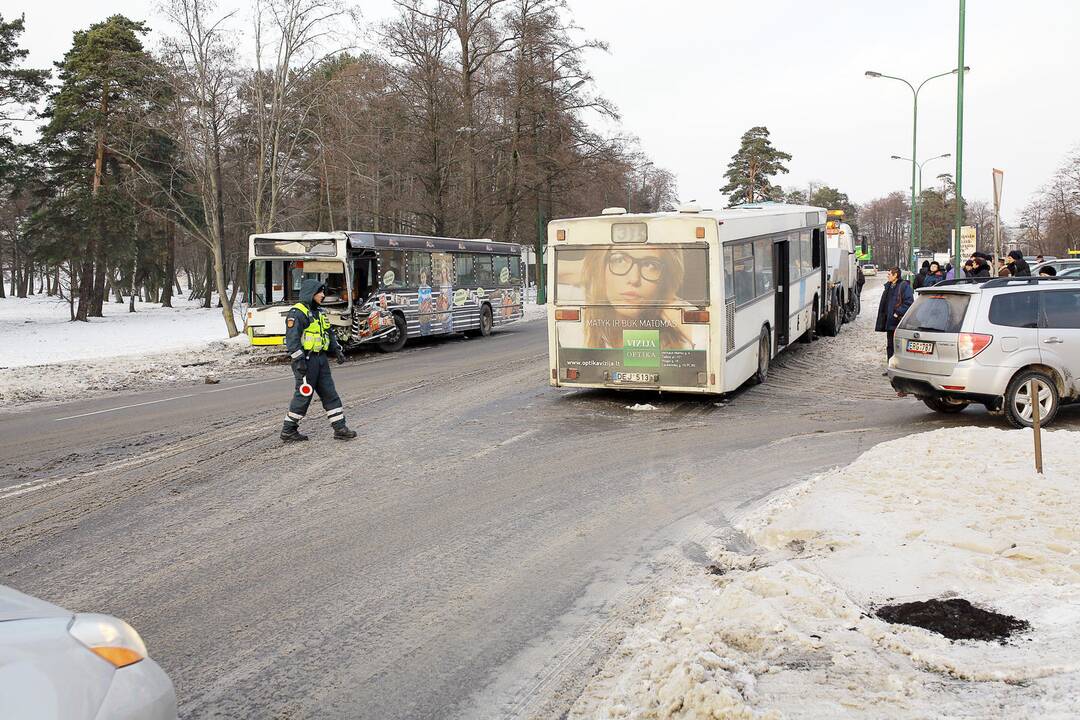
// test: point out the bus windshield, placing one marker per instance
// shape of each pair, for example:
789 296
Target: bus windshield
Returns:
279 281
632 275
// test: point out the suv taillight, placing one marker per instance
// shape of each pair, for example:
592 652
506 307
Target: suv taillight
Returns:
971 344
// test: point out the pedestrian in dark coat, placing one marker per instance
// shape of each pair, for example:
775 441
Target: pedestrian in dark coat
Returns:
895 301
920 278
308 339
1017 265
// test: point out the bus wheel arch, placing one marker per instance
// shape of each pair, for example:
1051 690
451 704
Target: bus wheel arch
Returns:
487 321
390 346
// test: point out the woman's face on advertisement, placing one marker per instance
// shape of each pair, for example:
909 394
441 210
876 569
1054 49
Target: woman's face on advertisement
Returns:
634 276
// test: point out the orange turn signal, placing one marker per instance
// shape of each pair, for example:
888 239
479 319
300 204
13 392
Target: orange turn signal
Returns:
118 656
697 317
700 233
560 235
568 315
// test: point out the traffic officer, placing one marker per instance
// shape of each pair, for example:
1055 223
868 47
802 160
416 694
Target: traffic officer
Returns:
308 339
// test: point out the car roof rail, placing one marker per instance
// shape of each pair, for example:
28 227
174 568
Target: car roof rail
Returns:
956 281
1025 280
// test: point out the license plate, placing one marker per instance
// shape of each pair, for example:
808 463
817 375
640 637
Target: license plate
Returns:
625 377
922 348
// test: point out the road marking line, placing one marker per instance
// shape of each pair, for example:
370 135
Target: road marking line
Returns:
504 443
163 400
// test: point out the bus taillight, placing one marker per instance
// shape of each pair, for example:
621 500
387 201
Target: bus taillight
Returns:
695 317
568 315
572 374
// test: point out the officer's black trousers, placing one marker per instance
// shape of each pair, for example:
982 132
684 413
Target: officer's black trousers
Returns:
318 376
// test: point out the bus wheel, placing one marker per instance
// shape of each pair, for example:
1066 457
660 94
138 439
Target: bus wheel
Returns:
830 326
398 342
764 356
486 321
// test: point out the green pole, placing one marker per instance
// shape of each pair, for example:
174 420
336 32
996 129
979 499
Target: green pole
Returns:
959 143
922 246
914 141
541 291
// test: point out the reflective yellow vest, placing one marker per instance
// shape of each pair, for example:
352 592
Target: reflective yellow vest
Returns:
316 337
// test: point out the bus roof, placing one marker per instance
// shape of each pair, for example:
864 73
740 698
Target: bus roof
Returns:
737 222
423 242
360 240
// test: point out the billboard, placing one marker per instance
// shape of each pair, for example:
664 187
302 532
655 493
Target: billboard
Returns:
631 328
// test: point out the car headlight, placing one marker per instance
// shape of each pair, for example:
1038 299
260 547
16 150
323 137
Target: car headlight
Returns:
109 638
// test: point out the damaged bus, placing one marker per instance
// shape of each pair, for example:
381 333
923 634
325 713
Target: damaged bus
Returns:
692 301
384 289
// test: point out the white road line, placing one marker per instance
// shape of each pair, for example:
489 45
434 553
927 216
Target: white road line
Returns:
504 443
163 400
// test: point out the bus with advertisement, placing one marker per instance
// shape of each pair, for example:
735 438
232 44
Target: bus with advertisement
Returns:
384 289
694 301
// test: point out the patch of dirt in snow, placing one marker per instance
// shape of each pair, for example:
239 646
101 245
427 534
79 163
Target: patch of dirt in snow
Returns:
955 618
788 630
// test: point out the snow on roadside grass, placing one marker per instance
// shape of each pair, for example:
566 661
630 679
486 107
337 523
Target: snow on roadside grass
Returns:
788 630
42 332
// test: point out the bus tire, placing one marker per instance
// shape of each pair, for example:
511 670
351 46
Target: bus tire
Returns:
391 346
764 357
830 324
487 321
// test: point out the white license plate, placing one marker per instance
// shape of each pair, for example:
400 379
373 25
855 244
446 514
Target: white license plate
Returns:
922 348
625 377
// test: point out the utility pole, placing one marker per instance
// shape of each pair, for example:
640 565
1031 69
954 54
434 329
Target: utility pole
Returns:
960 142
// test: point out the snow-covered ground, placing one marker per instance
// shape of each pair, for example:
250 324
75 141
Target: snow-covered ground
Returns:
44 356
786 629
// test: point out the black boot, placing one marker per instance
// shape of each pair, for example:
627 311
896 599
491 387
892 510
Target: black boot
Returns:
342 432
291 433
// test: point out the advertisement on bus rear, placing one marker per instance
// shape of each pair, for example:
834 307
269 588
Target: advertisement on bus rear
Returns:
633 303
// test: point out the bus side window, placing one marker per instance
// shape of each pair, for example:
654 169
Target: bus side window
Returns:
743 268
816 248
418 268
482 271
729 278
763 270
391 269
806 253
463 265
794 262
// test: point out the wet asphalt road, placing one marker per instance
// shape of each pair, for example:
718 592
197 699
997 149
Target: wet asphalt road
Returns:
473 553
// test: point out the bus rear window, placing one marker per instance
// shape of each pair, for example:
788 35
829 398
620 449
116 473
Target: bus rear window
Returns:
632 275
939 312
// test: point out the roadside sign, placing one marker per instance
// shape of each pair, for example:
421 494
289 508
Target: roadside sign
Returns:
999 176
968 241
1074 252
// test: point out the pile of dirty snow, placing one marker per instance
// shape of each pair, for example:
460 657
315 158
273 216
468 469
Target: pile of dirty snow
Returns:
787 629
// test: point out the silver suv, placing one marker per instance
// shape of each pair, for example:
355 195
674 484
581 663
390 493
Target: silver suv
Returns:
983 341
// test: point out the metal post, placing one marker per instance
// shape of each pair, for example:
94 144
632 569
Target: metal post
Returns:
1036 419
960 142
541 239
914 154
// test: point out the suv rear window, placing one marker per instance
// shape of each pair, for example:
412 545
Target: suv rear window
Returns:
937 312
1015 310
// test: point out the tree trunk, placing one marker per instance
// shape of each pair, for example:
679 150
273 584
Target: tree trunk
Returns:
170 265
208 270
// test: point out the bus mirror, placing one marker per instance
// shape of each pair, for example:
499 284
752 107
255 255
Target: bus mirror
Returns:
865 247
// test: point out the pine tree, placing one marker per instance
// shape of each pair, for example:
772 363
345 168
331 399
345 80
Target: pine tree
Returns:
752 167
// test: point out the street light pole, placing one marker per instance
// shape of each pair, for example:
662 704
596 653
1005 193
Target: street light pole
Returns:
961 71
914 136
919 196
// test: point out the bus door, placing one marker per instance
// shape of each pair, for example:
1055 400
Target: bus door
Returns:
781 253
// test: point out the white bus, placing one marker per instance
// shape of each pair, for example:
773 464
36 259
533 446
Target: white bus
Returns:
383 289
690 301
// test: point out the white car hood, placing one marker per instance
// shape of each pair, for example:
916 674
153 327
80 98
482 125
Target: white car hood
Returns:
15 605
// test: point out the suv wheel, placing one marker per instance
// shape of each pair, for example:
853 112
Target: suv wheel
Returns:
946 405
1018 402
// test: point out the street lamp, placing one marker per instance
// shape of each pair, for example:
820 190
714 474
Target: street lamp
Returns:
914 129
920 166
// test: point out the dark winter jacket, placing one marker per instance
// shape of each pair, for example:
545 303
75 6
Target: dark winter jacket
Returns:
895 301
920 279
296 321
982 269
1020 268
934 278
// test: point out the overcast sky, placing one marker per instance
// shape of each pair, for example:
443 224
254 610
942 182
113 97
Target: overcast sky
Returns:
690 76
